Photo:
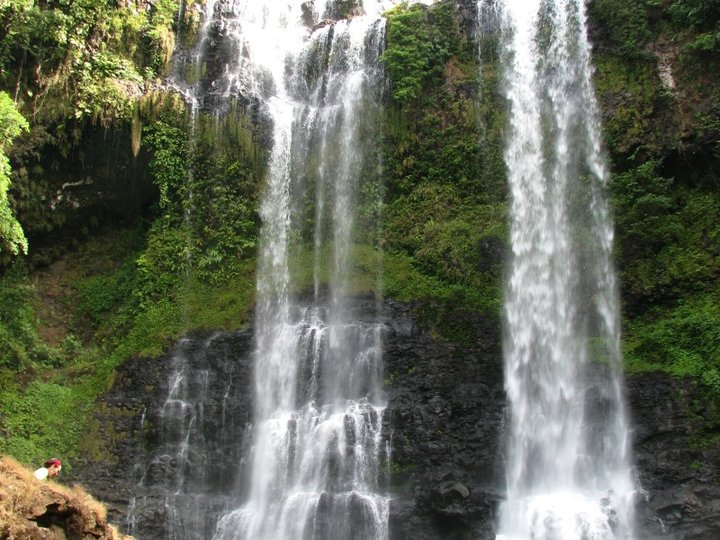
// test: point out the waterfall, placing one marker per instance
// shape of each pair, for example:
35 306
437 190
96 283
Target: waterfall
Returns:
316 455
185 480
567 466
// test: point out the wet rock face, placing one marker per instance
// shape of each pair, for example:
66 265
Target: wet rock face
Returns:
467 11
445 407
171 433
444 419
676 457
443 423
91 185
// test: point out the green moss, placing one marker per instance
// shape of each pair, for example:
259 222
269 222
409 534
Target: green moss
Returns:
52 412
445 308
682 341
363 268
401 469
45 418
399 475
634 100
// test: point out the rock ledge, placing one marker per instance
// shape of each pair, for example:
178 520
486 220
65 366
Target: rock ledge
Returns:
36 510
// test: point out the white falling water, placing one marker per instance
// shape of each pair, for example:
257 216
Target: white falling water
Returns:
194 63
182 486
317 449
182 419
567 460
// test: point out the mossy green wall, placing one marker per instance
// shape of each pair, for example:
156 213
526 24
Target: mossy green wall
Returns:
440 193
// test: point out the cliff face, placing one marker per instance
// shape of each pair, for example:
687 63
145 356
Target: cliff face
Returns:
444 419
170 436
155 445
678 470
445 416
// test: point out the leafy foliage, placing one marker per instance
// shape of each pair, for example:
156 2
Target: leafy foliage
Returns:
638 109
74 68
406 60
168 166
684 340
445 174
461 244
420 43
208 200
704 17
12 124
686 259
625 26
120 306
98 295
668 257
83 58
663 138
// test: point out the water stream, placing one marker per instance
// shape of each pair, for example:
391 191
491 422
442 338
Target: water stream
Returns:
567 468
187 477
316 456
317 452
311 70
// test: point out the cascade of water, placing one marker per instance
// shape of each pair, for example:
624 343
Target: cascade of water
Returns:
194 62
567 464
318 363
179 468
187 478
182 419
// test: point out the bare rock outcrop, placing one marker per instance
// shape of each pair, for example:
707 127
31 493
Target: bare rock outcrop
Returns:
38 510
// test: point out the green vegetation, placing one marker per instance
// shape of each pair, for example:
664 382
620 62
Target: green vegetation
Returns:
73 68
407 58
208 199
131 292
12 237
19 339
445 214
663 136
668 233
684 340
83 58
703 16
47 392
624 26
188 262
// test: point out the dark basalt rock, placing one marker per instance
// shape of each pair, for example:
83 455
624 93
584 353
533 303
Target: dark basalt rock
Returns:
445 409
89 186
467 13
445 413
677 458
171 433
444 422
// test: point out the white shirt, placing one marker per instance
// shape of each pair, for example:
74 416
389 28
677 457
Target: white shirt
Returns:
41 473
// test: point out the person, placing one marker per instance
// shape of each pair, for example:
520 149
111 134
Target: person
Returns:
50 469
